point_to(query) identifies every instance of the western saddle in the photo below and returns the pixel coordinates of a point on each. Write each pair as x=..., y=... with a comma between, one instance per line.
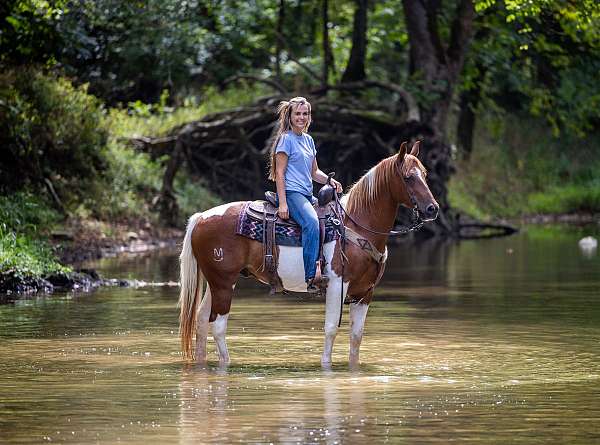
x=266, y=211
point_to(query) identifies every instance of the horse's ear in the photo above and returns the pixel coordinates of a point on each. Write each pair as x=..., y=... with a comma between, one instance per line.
x=402, y=152
x=415, y=149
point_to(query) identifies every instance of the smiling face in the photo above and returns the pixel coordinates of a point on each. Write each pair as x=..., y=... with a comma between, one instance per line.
x=300, y=118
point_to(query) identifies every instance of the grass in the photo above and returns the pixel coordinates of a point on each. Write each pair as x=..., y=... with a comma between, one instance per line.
x=567, y=199
x=518, y=168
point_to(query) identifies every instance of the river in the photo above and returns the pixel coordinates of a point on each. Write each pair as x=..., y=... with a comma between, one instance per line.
x=489, y=341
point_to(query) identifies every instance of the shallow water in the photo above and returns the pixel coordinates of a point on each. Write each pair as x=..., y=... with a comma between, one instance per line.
x=483, y=341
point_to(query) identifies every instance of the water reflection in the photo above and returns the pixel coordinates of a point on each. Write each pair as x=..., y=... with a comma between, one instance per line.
x=222, y=405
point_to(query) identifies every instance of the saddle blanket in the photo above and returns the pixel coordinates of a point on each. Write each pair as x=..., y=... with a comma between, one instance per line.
x=284, y=235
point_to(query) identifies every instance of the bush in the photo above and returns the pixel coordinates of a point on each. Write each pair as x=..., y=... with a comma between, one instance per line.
x=49, y=131
x=25, y=213
x=24, y=219
x=25, y=257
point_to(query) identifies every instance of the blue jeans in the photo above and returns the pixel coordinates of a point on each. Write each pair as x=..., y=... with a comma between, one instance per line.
x=301, y=209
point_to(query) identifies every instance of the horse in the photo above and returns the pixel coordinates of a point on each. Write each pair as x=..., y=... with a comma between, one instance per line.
x=213, y=253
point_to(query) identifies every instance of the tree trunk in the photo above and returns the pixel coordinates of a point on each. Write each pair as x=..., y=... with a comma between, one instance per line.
x=166, y=202
x=439, y=67
x=328, y=62
x=355, y=70
x=466, y=121
x=280, y=18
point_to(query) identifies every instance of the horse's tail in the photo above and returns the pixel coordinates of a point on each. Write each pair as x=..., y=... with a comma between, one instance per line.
x=192, y=283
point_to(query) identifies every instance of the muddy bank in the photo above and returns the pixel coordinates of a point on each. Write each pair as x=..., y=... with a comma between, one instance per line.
x=82, y=241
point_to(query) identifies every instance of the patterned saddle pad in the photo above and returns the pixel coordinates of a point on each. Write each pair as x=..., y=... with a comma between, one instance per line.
x=285, y=234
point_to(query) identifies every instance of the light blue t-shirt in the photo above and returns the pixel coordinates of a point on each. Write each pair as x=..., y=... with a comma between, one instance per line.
x=301, y=153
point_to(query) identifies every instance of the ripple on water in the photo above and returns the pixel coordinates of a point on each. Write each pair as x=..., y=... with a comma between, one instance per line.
x=463, y=343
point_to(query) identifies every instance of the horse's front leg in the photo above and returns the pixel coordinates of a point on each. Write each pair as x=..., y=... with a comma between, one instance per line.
x=358, y=314
x=332, y=315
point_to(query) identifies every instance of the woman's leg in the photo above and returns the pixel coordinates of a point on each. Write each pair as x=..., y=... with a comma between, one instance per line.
x=302, y=211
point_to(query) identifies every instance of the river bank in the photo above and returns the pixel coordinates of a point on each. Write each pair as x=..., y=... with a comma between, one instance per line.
x=79, y=241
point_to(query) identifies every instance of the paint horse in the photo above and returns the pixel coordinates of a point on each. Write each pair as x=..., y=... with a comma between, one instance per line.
x=214, y=253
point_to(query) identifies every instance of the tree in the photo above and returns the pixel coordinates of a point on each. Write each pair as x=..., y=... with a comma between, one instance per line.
x=436, y=65
x=355, y=70
x=533, y=57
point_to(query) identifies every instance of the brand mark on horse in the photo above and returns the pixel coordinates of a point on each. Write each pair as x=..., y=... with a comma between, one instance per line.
x=218, y=254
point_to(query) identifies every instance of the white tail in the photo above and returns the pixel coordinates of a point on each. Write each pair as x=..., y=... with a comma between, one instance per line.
x=192, y=283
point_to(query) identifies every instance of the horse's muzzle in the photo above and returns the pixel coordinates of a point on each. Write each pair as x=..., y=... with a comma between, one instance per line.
x=431, y=212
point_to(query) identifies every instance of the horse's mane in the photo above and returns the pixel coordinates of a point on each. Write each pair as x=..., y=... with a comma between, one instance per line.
x=366, y=191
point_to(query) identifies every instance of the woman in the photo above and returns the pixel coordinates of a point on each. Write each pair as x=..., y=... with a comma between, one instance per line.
x=293, y=168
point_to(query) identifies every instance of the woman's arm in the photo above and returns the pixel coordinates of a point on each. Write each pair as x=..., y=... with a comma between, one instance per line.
x=321, y=178
x=281, y=161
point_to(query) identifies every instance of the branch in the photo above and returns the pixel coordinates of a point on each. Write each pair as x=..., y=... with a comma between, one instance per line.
x=272, y=83
x=501, y=230
x=293, y=59
x=409, y=101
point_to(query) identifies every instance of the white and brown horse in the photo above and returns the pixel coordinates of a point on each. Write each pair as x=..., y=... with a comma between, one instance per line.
x=213, y=252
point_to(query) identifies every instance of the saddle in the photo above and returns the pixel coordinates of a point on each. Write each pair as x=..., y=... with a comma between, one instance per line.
x=265, y=212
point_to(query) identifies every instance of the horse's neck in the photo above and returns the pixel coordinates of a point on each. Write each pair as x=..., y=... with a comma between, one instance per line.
x=379, y=217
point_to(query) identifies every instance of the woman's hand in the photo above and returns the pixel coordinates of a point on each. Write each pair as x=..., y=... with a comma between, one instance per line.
x=337, y=185
x=283, y=211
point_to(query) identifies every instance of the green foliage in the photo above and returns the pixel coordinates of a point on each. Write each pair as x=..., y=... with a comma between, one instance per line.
x=27, y=257
x=24, y=218
x=130, y=51
x=193, y=196
x=567, y=199
x=519, y=168
x=541, y=57
x=25, y=212
x=49, y=130
x=29, y=31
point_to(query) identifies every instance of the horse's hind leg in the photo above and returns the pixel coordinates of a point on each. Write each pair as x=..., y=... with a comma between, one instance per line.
x=202, y=326
x=219, y=328
x=358, y=314
x=221, y=303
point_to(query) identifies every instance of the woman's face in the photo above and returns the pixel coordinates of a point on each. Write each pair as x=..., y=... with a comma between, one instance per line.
x=300, y=117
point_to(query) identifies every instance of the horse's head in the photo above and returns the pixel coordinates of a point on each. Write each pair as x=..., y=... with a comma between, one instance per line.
x=415, y=191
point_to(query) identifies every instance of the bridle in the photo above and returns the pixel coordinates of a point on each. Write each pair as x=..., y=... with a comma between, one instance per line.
x=416, y=223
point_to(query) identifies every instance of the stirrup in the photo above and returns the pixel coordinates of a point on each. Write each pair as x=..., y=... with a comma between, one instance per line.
x=317, y=284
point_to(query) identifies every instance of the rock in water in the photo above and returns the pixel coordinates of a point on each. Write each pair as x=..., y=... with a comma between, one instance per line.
x=588, y=246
